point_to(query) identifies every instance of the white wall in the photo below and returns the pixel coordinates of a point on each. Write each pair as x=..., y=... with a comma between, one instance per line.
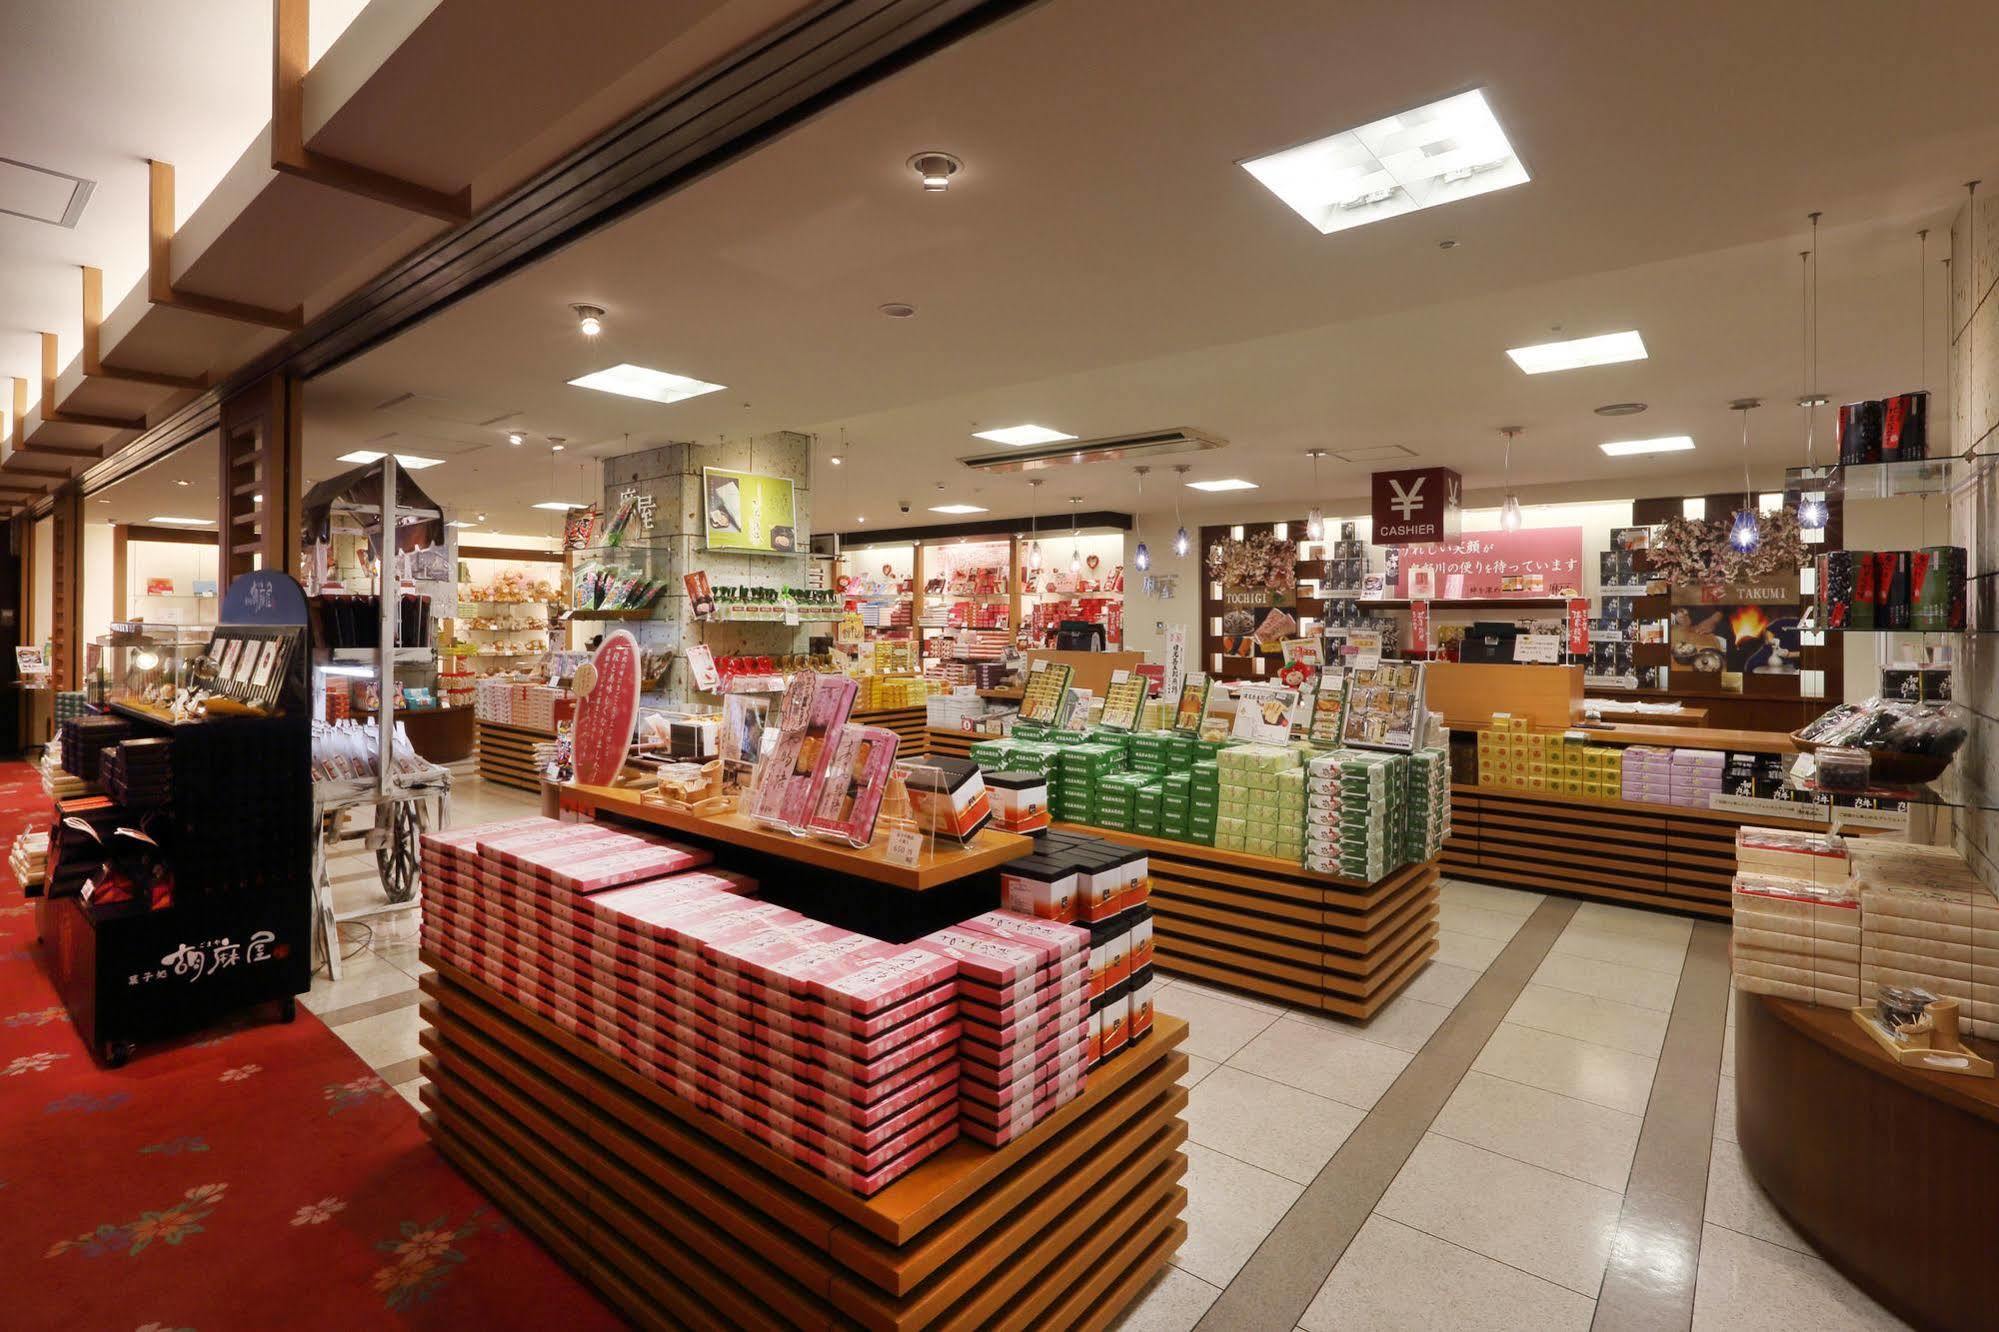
x=185, y=564
x=97, y=582
x=41, y=622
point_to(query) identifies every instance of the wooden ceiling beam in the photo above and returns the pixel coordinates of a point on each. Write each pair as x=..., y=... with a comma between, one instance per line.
x=93, y=363
x=53, y=416
x=160, y=289
x=290, y=58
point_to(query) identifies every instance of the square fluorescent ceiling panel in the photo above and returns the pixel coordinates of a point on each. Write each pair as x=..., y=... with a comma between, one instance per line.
x=1603, y=349
x=1434, y=154
x=636, y=381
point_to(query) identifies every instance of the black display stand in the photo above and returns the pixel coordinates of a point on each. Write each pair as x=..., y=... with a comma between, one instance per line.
x=239, y=932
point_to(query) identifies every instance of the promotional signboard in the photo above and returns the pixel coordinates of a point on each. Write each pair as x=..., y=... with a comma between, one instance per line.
x=1420, y=504
x=1478, y=564
x=748, y=513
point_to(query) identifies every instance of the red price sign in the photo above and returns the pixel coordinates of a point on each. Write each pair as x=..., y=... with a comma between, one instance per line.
x=1419, y=627
x=1579, y=625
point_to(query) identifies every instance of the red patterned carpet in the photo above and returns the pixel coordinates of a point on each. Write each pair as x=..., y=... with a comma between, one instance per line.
x=259, y=1178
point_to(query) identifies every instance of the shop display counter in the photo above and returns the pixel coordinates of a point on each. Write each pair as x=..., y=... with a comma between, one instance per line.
x=680, y=1219
x=1887, y=1170
x=1276, y=929
x=506, y=754
x=442, y=735
x=950, y=741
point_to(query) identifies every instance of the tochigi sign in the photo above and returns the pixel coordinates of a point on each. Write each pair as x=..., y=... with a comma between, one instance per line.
x=1416, y=505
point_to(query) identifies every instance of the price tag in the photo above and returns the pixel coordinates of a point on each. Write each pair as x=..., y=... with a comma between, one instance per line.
x=1366, y=661
x=905, y=847
x=791, y=615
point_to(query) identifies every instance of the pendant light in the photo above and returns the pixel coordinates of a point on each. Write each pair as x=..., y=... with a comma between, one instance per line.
x=1075, y=555
x=1812, y=511
x=1745, y=530
x=1181, y=545
x=1033, y=514
x=1315, y=521
x=1509, y=508
x=1141, y=558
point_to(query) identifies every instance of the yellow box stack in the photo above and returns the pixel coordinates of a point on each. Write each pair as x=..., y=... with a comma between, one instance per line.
x=1511, y=754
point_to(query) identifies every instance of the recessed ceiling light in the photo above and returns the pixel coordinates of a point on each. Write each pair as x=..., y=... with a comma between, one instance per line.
x=413, y=461
x=956, y=508
x=1022, y=435
x=516, y=437
x=1431, y=155
x=898, y=310
x=1624, y=448
x=935, y=170
x=1575, y=353
x=458, y=522
x=636, y=381
x=560, y=505
x=169, y=520
x=589, y=319
x=189, y=483
x=1227, y=483
x=1620, y=409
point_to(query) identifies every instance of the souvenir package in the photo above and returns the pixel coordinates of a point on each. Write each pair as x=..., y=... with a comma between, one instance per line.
x=1123, y=701
x=857, y=776
x=948, y=795
x=1192, y=706
x=1796, y=939
x=1329, y=704
x=1384, y=708
x=1019, y=800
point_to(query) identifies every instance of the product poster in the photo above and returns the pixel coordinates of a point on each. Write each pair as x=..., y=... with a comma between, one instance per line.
x=748, y=513
x=1047, y=687
x=1193, y=704
x=1756, y=640
x=1124, y=700
x=1263, y=713
x=1385, y=706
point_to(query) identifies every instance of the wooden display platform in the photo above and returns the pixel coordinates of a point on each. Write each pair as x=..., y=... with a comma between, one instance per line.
x=1852, y=1146
x=1276, y=929
x=681, y=1221
x=506, y=754
x=911, y=726
x=951, y=742
x=941, y=863
x=1668, y=856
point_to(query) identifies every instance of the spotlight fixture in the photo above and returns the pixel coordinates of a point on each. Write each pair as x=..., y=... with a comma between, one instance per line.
x=1141, y=558
x=1813, y=513
x=935, y=170
x=589, y=319
x=1181, y=544
x=557, y=443
x=1075, y=555
x=1745, y=530
x=839, y=455
x=1509, y=508
x=516, y=438
x=1033, y=525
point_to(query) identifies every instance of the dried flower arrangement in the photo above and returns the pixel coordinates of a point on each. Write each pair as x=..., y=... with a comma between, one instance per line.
x=1697, y=551
x=1260, y=561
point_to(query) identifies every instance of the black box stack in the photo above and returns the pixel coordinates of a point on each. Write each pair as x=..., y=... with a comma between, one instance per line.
x=74, y=855
x=84, y=740
x=139, y=773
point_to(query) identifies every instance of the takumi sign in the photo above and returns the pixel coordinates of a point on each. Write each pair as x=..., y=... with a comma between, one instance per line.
x=1416, y=505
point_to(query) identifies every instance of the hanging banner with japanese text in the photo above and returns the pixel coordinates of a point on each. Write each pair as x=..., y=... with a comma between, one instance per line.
x=1501, y=563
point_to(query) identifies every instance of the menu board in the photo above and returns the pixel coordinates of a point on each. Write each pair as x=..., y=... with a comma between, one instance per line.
x=1124, y=701
x=1328, y=708
x=1384, y=708
x=1047, y=686
x=1263, y=713
x=1193, y=703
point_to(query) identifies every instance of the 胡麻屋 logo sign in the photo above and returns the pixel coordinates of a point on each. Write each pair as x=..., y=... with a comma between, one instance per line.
x=1418, y=504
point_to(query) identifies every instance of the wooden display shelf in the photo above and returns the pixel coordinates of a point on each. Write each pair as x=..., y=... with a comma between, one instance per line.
x=1668, y=856
x=911, y=726
x=951, y=742
x=1668, y=737
x=506, y=754
x=1276, y=929
x=942, y=864
x=680, y=1220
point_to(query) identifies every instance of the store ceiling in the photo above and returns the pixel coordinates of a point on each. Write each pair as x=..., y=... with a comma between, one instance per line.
x=1101, y=265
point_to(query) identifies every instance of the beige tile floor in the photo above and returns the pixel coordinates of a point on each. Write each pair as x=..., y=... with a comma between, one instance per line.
x=1508, y=1204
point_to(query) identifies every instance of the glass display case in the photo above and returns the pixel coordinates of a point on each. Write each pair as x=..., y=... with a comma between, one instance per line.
x=142, y=664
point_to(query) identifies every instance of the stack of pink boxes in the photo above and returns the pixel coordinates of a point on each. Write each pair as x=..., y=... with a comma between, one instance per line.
x=1023, y=994
x=1697, y=774
x=1648, y=775
x=833, y=1048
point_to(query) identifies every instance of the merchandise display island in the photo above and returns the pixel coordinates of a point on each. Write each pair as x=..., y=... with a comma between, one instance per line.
x=1852, y=1146
x=1272, y=927
x=722, y=1109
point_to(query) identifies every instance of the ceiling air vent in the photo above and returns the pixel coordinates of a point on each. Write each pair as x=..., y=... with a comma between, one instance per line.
x=1109, y=448
x=42, y=195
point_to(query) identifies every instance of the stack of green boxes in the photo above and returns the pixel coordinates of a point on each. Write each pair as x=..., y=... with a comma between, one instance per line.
x=1204, y=794
x=1353, y=808
x=1429, y=805
x=1262, y=801
x=1150, y=803
x=1152, y=751
x=1117, y=800
x=1173, y=805
x=1078, y=779
x=991, y=755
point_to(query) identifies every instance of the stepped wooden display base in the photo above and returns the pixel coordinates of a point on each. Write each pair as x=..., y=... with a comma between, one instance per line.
x=911, y=726
x=679, y=1220
x=1668, y=856
x=506, y=754
x=1273, y=928
x=951, y=742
